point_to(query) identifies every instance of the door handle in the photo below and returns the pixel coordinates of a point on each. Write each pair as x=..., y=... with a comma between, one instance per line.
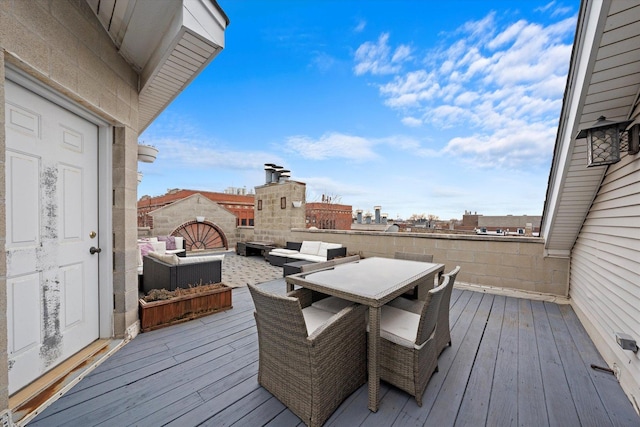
x=93, y=250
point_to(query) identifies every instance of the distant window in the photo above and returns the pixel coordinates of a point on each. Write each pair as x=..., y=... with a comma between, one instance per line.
x=244, y=221
x=251, y=222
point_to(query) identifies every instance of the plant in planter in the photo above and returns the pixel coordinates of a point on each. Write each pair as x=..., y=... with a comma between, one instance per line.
x=161, y=307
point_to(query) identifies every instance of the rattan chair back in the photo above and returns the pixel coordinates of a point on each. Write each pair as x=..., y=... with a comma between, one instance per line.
x=443, y=332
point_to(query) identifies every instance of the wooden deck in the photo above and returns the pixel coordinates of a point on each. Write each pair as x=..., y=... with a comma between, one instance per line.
x=512, y=362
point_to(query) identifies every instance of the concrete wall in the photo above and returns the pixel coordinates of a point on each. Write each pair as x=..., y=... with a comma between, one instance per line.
x=62, y=45
x=273, y=222
x=170, y=217
x=504, y=262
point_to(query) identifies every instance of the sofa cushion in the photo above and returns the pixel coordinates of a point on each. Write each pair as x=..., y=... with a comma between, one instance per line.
x=282, y=252
x=179, y=242
x=324, y=246
x=310, y=247
x=144, y=249
x=399, y=326
x=166, y=258
x=197, y=259
x=314, y=258
x=332, y=304
x=314, y=318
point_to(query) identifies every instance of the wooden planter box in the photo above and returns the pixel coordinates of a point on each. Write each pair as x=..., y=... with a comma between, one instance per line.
x=157, y=314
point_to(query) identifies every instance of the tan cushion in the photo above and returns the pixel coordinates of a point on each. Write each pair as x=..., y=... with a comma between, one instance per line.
x=332, y=304
x=198, y=259
x=166, y=258
x=399, y=326
x=314, y=318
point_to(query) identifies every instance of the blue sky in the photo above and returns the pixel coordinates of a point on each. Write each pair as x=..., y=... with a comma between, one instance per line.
x=420, y=107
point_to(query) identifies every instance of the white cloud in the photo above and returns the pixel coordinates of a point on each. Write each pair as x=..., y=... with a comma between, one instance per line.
x=203, y=154
x=500, y=84
x=411, y=121
x=360, y=26
x=376, y=58
x=332, y=145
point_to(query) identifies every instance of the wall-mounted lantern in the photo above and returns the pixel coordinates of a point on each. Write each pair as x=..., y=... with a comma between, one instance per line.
x=604, y=141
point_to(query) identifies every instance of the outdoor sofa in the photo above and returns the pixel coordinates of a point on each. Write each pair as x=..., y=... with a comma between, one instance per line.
x=306, y=250
x=169, y=271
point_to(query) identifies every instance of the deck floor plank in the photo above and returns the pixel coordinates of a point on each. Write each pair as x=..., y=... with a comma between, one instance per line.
x=503, y=403
x=532, y=408
x=619, y=408
x=560, y=407
x=470, y=303
x=475, y=403
x=590, y=409
x=505, y=354
x=449, y=398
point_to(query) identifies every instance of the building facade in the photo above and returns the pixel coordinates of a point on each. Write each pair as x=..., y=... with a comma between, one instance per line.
x=78, y=84
x=241, y=205
x=329, y=216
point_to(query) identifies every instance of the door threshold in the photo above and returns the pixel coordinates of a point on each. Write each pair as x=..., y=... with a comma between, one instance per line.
x=29, y=401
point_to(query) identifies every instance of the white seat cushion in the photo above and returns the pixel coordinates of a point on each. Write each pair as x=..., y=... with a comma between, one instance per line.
x=314, y=318
x=309, y=247
x=313, y=258
x=325, y=246
x=399, y=326
x=332, y=304
x=282, y=251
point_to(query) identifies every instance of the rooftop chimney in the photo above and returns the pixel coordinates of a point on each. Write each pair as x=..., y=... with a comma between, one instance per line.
x=284, y=176
x=377, y=213
x=268, y=172
x=359, y=216
x=275, y=177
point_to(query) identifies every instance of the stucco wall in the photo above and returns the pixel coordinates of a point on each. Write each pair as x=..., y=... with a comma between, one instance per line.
x=505, y=262
x=273, y=223
x=62, y=45
x=170, y=217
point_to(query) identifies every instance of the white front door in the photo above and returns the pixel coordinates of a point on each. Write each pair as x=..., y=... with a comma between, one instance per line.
x=52, y=221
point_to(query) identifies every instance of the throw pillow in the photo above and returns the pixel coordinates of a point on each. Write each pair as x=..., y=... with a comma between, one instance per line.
x=145, y=248
x=170, y=241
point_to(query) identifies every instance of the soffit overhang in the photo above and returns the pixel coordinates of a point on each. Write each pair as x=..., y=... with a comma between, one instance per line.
x=603, y=80
x=167, y=43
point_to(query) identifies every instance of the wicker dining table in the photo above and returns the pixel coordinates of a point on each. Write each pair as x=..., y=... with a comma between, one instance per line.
x=372, y=282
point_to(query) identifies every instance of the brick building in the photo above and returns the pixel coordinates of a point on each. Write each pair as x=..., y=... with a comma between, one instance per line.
x=329, y=216
x=241, y=205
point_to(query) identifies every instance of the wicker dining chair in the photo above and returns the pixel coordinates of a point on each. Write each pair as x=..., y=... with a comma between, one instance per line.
x=443, y=331
x=310, y=372
x=408, y=353
x=413, y=293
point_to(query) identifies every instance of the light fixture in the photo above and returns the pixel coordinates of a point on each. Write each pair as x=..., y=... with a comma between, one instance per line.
x=604, y=141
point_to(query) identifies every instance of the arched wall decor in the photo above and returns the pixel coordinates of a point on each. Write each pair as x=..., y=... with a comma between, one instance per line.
x=201, y=235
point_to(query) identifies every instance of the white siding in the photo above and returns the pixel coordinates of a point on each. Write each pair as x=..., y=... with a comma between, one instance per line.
x=605, y=268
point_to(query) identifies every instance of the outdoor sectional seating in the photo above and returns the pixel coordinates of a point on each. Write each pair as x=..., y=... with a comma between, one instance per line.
x=307, y=250
x=170, y=271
